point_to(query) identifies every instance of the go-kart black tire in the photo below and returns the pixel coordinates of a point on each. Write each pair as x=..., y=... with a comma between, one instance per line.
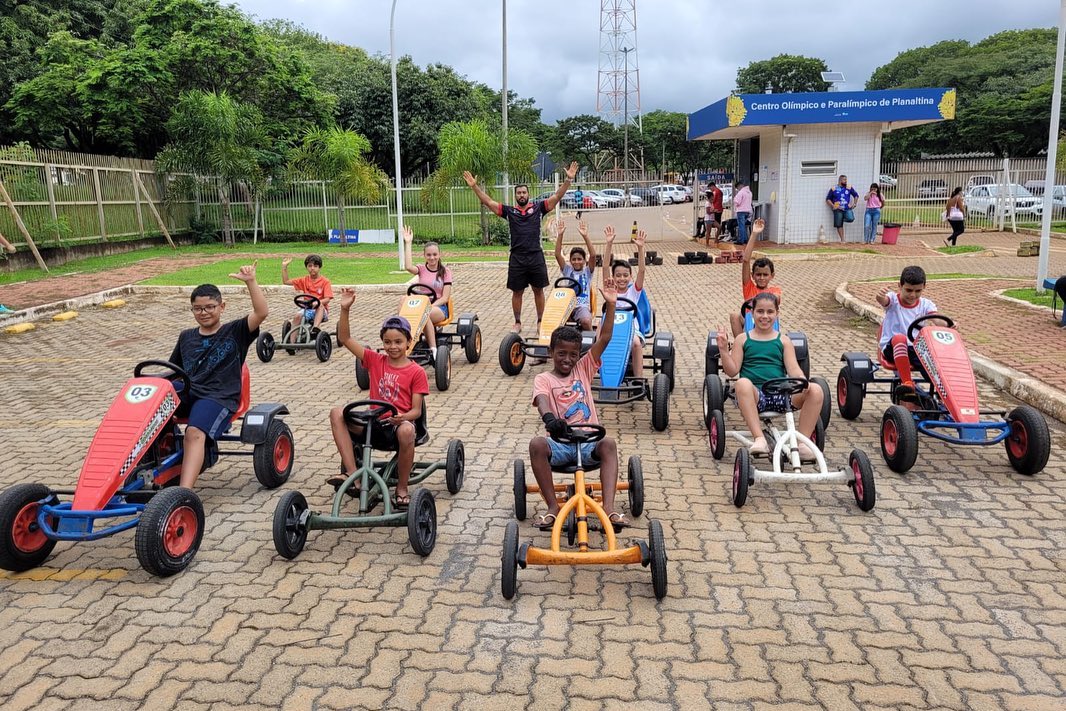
x=657, y=552
x=668, y=368
x=272, y=459
x=455, y=466
x=827, y=400
x=323, y=346
x=1029, y=442
x=520, y=490
x=716, y=434
x=741, y=477
x=422, y=522
x=22, y=545
x=635, y=482
x=862, y=483
x=442, y=368
x=289, y=534
x=362, y=375
x=571, y=527
x=472, y=345
x=713, y=397
x=264, y=347
x=660, y=402
x=512, y=357
x=711, y=365
x=818, y=436
x=899, y=439
x=509, y=561
x=849, y=396
x=286, y=328
x=805, y=366
x=165, y=546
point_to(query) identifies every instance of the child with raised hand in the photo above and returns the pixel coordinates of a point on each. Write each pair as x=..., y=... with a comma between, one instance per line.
x=902, y=309
x=757, y=356
x=754, y=276
x=212, y=354
x=395, y=379
x=314, y=284
x=563, y=397
x=622, y=273
x=580, y=267
x=437, y=277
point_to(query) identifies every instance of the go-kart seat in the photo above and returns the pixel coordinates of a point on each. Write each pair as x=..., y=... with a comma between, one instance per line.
x=886, y=364
x=590, y=465
x=449, y=318
x=645, y=315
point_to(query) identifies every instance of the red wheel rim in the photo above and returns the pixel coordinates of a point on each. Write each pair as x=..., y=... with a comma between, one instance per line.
x=889, y=437
x=857, y=472
x=179, y=532
x=712, y=434
x=1018, y=440
x=282, y=453
x=842, y=392
x=25, y=533
x=736, y=477
x=516, y=354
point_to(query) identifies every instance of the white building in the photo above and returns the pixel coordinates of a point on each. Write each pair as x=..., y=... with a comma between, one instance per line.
x=792, y=148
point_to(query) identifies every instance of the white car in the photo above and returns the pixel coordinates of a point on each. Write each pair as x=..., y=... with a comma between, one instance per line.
x=985, y=200
x=886, y=181
x=611, y=200
x=570, y=199
x=634, y=200
x=669, y=194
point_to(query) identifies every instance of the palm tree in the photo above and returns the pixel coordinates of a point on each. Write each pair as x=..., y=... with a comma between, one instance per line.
x=339, y=156
x=477, y=146
x=215, y=139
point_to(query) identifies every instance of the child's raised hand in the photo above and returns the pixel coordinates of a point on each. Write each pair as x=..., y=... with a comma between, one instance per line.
x=758, y=226
x=641, y=237
x=609, y=293
x=884, y=291
x=559, y=227
x=246, y=273
x=286, y=261
x=408, y=235
x=583, y=229
x=347, y=298
x=722, y=339
x=608, y=234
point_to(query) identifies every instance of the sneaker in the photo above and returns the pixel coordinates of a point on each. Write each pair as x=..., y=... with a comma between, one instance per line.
x=5, y=310
x=806, y=455
x=905, y=392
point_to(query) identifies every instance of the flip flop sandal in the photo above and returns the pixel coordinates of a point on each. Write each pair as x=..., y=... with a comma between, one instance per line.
x=618, y=520
x=545, y=522
x=400, y=503
x=337, y=481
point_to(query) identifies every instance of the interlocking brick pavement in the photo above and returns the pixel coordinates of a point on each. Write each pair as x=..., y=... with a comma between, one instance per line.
x=951, y=593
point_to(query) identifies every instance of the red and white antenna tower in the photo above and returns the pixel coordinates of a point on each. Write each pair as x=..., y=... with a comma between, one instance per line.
x=618, y=92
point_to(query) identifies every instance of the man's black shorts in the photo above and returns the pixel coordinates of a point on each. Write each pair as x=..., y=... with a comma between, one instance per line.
x=525, y=270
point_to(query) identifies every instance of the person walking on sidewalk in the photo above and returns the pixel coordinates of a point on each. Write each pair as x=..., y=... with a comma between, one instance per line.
x=955, y=214
x=874, y=203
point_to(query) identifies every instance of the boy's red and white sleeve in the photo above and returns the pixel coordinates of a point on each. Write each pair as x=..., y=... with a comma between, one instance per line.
x=419, y=382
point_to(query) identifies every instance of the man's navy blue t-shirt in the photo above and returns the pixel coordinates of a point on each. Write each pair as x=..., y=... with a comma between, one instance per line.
x=524, y=223
x=214, y=362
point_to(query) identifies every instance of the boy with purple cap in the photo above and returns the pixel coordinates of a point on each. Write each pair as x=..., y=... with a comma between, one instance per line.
x=394, y=378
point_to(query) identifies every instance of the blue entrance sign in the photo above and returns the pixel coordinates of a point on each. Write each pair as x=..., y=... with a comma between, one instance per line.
x=907, y=105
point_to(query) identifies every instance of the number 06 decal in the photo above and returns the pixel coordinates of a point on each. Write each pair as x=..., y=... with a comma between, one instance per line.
x=139, y=393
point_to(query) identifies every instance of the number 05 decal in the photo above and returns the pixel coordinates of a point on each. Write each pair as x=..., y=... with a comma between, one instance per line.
x=139, y=393
x=945, y=337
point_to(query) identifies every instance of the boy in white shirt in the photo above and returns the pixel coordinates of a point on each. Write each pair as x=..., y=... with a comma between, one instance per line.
x=901, y=310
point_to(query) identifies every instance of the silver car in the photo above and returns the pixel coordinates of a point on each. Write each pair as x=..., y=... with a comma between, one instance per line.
x=634, y=200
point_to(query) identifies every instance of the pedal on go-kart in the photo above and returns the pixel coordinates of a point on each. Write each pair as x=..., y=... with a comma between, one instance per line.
x=949, y=409
x=581, y=506
x=304, y=337
x=130, y=478
x=783, y=455
x=371, y=485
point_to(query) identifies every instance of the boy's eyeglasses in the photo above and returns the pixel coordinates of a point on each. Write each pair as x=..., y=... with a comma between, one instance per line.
x=209, y=309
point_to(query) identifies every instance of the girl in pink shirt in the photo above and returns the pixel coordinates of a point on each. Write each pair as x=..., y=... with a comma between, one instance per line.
x=874, y=202
x=434, y=275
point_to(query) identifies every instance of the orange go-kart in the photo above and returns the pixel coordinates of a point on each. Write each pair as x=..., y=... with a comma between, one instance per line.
x=130, y=475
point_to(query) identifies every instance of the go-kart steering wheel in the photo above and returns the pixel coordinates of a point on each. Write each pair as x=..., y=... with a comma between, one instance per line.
x=785, y=386
x=176, y=373
x=579, y=434
x=916, y=324
x=568, y=283
x=748, y=305
x=306, y=302
x=421, y=290
x=374, y=410
x=629, y=305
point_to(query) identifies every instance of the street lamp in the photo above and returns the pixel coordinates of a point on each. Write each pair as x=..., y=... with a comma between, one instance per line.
x=1052, y=155
x=396, y=135
x=506, y=176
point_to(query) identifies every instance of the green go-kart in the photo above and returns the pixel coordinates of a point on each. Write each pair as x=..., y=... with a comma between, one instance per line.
x=371, y=484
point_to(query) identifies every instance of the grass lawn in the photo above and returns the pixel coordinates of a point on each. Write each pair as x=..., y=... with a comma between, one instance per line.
x=960, y=249
x=369, y=270
x=1031, y=296
x=937, y=277
x=297, y=249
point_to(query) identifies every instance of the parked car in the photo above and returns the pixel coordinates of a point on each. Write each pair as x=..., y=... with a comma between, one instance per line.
x=886, y=181
x=985, y=200
x=976, y=180
x=669, y=194
x=648, y=196
x=933, y=188
x=590, y=199
x=610, y=200
x=634, y=200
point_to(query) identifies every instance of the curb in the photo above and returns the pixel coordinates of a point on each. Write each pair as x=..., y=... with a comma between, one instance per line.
x=1026, y=388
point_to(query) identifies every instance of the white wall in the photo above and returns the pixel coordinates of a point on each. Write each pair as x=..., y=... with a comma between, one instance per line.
x=856, y=148
x=770, y=179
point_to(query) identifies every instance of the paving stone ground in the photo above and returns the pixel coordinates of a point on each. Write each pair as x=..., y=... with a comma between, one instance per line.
x=950, y=594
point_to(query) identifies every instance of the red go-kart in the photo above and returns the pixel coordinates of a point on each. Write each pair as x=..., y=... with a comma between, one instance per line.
x=948, y=408
x=130, y=476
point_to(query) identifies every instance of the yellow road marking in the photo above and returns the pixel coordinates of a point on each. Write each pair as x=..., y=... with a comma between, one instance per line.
x=63, y=575
x=65, y=316
x=20, y=328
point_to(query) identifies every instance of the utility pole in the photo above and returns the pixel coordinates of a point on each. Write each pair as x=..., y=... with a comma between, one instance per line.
x=625, y=149
x=395, y=136
x=506, y=176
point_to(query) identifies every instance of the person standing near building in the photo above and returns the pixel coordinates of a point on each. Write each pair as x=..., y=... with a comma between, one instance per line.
x=955, y=214
x=874, y=203
x=842, y=199
x=716, y=206
x=742, y=210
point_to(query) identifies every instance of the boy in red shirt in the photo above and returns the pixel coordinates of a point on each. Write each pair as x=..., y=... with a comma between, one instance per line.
x=563, y=397
x=754, y=276
x=394, y=378
x=314, y=284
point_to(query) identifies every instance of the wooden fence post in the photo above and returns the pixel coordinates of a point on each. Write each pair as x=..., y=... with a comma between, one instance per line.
x=137, y=201
x=99, y=204
x=155, y=213
x=22, y=227
x=52, y=199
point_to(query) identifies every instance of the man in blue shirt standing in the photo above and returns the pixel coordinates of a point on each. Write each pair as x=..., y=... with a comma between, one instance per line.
x=842, y=199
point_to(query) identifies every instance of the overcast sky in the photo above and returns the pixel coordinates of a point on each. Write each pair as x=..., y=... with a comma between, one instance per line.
x=688, y=50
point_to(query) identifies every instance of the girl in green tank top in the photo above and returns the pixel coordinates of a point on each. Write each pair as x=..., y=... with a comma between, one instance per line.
x=760, y=355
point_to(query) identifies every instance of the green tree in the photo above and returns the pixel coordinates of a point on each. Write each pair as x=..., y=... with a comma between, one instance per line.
x=588, y=139
x=216, y=141
x=667, y=132
x=339, y=156
x=477, y=146
x=785, y=73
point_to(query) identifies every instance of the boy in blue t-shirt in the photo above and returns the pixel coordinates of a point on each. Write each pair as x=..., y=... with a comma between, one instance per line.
x=579, y=268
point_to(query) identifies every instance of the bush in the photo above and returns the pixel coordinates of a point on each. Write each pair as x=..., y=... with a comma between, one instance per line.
x=203, y=231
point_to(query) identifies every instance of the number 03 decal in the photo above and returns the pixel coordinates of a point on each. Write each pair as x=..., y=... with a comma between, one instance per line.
x=139, y=393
